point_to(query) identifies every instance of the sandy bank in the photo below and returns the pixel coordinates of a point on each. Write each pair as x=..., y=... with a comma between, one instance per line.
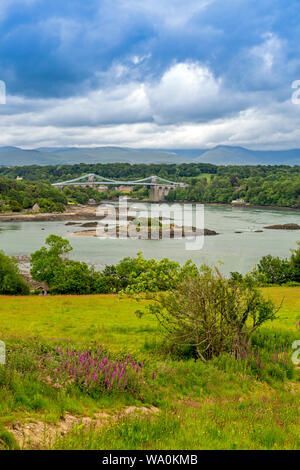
x=72, y=213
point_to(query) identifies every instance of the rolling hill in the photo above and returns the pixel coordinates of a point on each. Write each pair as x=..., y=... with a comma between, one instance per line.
x=220, y=155
x=223, y=155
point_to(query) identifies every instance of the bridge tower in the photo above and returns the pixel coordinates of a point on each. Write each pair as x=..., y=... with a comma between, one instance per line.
x=91, y=180
x=158, y=193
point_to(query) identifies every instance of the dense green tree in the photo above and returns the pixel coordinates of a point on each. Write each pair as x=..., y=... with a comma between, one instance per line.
x=64, y=276
x=46, y=261
x=11, y=281
x=295, y=263
x=275, y=270
x=18, y=195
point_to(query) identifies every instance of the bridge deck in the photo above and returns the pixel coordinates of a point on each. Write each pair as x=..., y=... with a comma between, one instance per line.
x=93, y=180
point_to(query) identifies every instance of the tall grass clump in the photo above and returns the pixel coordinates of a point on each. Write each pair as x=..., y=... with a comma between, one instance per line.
x=259, y=363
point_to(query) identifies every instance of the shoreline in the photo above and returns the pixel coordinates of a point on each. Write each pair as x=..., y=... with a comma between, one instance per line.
x=77, y=212
x=89, y=212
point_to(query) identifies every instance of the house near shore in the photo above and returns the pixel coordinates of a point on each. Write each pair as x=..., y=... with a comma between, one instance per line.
x=43, y=288
x=102, y=188
x=125, y=189
x=239, y=202
x=36, y=208
x=36, y=285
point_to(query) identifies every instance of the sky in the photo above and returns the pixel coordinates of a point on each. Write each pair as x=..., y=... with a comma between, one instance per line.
x=156, y=74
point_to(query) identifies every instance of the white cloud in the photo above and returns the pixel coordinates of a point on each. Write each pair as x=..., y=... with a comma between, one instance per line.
x=268, y=52
x=253, y=128
x=187, y=107
x=136, y=60
x=122, y=104
x=186, y=91
x=173, y=13
x=6, y=5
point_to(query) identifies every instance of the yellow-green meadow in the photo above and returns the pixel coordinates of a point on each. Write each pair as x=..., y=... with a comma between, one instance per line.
x=221, y=404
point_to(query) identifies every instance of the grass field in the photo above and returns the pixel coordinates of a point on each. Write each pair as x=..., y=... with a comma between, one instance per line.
x=224, y=404
x=205, y=175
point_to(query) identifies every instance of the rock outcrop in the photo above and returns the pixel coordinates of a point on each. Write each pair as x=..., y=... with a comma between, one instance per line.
x=284, y=227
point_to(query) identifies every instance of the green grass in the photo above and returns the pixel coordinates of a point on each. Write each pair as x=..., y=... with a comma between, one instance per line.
x=289, y=314
x=223, y=404
x=252, y=424
x=106, y=319
x=204, y=175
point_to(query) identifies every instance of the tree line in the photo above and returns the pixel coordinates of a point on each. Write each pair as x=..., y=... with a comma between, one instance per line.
x=126, y=171
x=51, y=264
x=281, y=188
x=206, y=183
x=19, y=195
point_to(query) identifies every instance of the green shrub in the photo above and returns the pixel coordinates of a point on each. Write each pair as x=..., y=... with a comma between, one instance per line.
x=274, y=270
x=212, y=315
x=136, y=275
x=74, y=277
x=7, y=440
x=15, y=206
x=295, y=264
x=45, y=262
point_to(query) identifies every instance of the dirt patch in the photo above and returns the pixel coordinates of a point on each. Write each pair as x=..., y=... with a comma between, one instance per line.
x=142, y=410
x=39, y=435
x=293, y=387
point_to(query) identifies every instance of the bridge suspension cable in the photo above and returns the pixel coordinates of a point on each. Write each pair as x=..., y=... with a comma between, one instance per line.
x=92, y=177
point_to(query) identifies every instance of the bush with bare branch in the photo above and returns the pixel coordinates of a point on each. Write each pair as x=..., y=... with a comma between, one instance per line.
x=211, y=314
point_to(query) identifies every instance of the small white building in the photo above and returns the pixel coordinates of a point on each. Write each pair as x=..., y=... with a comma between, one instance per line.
x=239, y=202
x=36, y=208
x=102, y=188
x=125, y=189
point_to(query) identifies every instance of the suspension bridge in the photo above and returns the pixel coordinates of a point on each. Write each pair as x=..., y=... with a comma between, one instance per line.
x=159, y=187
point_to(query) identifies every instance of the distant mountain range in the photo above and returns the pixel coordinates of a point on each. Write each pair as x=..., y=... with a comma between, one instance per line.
x=220, y=155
